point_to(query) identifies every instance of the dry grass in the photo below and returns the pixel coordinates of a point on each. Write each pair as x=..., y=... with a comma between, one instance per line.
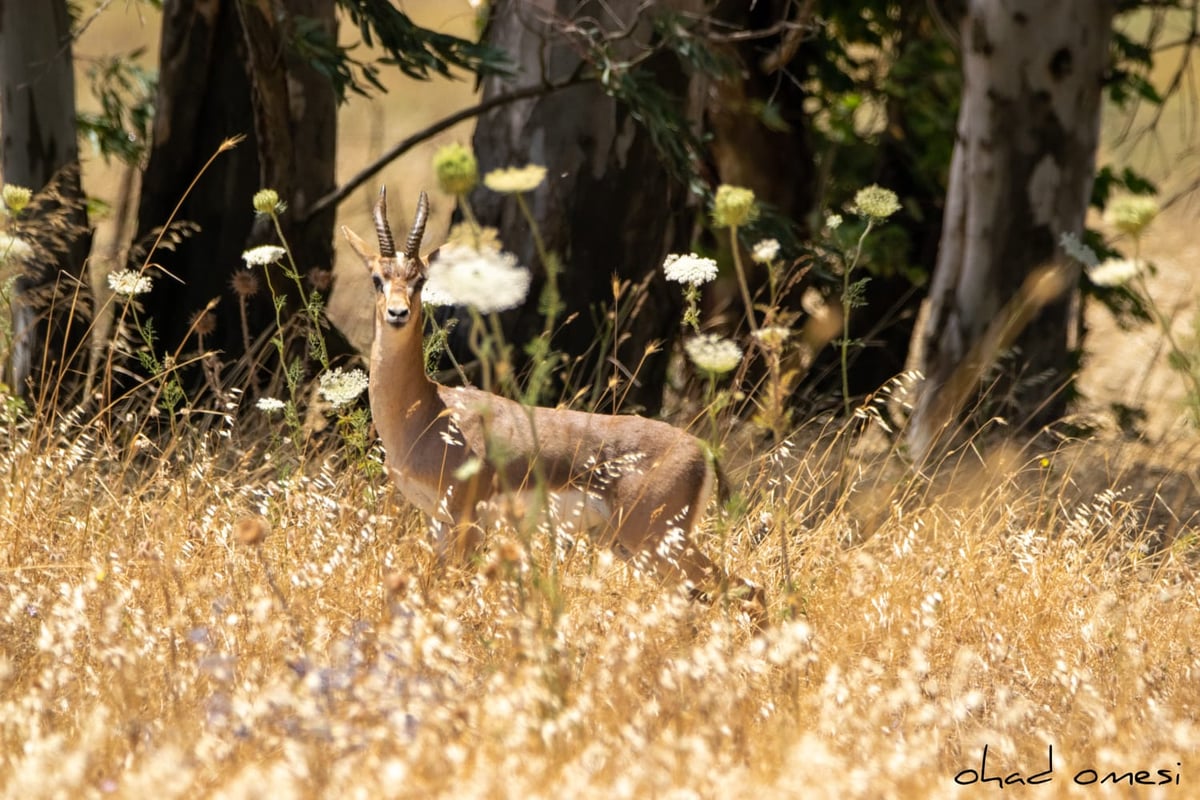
x=157, y=643
x=190, y=624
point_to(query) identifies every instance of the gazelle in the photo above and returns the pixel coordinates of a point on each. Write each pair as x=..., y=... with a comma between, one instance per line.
x=462, y=454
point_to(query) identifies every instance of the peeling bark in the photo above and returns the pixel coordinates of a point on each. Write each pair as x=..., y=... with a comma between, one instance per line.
x=608, y=206
x=1020, y=177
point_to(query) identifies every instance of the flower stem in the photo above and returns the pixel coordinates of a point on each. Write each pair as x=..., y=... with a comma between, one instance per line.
x=743, y=286
x=845, y=343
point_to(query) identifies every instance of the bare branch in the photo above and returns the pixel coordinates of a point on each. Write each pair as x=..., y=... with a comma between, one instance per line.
x=340, y=193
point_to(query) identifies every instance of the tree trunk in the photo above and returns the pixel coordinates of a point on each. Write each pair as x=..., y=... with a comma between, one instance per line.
x=608, y=206
x=39, y=152
x=773, y=155
x=227, y=69
x=1020, y=177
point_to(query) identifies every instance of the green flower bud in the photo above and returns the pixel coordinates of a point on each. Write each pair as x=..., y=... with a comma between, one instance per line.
x=266, y=201
x=1130, y=214
x=15, y=198
x=733, y=206
x=456, y=169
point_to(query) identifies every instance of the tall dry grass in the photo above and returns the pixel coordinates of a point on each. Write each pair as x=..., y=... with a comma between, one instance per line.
x=191, y=625
x=189, y=622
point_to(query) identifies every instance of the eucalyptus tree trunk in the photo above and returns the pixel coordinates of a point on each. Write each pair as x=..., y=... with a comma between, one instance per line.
x=608, y=207
x=228, y=69
x=39, y=151
x=1020, y=177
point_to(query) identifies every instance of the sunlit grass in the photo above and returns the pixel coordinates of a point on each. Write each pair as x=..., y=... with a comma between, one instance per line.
x=155, y=642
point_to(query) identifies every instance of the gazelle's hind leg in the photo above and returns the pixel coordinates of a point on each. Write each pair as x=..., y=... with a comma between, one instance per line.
x=655, y=532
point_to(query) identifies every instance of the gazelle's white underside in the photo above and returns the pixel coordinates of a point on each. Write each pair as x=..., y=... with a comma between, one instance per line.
x=568, y=510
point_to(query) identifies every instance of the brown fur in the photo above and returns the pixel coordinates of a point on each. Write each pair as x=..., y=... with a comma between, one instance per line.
x=649, y=481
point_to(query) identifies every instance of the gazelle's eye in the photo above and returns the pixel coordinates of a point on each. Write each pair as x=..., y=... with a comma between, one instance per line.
x=378, y=281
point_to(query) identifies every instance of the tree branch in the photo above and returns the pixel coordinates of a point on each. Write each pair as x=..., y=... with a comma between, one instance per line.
x=340, y=193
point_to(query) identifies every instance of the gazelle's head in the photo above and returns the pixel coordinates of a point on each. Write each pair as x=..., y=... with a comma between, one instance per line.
x=398, y=277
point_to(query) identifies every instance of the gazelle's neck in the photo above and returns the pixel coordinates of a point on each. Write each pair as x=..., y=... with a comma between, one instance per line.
x=404, y=401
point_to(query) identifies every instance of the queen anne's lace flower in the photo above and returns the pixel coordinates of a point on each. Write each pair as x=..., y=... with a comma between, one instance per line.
x=127, y=282
x=713, y=354
x=765, y=251
x=485, y=280
x=876, y=202
x=689, y=269
x=263, y=255
x=269, y=404
x=340, y=387
x=512, y=180
x=1115, y=271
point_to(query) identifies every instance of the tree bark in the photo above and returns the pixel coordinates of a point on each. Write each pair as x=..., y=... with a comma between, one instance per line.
x=1020, y=177
x=608, y=206
x=227, y=69
x=775, y=160
x=39, y=152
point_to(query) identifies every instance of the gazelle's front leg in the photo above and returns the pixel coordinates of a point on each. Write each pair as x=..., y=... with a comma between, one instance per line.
x=459, y=535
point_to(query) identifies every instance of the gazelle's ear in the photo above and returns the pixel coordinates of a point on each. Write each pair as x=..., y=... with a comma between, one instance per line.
x=428, y=260
x=358, y=245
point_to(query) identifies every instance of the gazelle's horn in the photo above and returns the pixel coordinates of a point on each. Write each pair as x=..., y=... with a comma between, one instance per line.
x=418, y=229
x=387, y=245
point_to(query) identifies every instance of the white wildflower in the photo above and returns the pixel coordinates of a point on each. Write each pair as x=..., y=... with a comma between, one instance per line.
x=876, y=202
x=14, y=248
x=340, y=387
x=487, y=281
x=833, y=221
x=128, y=282
x=513, y=180
x=263, y=255
x=713, y=354
x=269, y=404
x=765, y=251
x=1115, y=271
x=689, y=269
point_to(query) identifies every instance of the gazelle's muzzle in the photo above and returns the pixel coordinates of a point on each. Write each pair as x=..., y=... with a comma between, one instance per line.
x=396, y=317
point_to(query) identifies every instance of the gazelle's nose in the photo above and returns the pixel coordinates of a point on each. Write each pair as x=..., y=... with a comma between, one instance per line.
x=397, y=316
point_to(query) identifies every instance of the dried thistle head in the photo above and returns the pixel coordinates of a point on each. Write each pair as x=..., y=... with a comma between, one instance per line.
x=244, y=283
x=204, y=322
x=320, y=279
